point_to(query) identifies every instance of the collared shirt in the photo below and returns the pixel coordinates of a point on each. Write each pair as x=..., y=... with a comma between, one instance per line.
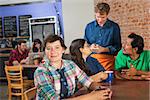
x=124, y=61
x=63, y=82
x=16, y=55
x=107, y=36
x=47, y=80
x=93, y=65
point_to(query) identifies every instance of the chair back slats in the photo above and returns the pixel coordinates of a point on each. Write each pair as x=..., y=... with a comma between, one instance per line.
x=14, y=74
x=16, y=84
x=15, y=80
x=18, y=94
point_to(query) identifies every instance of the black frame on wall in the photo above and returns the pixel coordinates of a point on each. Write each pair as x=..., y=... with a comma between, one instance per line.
x=10, y=26
x=24, y=25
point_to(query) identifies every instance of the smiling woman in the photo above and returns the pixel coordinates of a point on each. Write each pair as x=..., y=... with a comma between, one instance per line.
x=54, y=49
x=57, y=78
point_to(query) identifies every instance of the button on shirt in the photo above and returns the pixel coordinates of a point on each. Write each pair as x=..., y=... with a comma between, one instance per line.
x=107, y=36
x=48, y=80
x=124, y=61
x=63, y=82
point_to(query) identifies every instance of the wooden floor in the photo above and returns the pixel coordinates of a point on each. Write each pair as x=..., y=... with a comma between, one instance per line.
x=3, y=90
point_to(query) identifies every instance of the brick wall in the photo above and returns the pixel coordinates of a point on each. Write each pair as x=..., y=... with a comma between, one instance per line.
x=132, y=16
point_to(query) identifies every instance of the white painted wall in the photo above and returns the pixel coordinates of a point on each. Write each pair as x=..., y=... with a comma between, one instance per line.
x=76, y=14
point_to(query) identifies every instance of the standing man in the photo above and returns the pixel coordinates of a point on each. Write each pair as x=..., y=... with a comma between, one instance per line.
x=104, y=37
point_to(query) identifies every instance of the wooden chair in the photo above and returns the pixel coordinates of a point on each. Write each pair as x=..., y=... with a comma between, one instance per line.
x=30, y=94
x=16, y=84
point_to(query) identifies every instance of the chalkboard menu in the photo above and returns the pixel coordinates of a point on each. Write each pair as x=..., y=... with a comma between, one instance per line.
x=24, y=25
x=1, y=32
x=10, y=26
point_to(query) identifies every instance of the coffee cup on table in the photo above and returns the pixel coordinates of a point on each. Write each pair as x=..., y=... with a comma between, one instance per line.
x=110, y=77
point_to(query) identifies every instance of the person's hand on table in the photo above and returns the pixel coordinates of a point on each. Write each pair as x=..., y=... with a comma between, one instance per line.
x=132, y=74
x=15, y=62
x=132, y=71
x=24, y=61
x=146, y=77
x=102, y=94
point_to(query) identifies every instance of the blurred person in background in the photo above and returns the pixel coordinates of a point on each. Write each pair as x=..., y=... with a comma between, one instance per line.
x=20, y=54
x=37, y=59
x=37, y=46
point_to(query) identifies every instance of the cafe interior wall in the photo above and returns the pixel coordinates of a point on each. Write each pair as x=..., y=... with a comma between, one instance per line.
x=132, y=16
x=36, y=9
x=76, y=14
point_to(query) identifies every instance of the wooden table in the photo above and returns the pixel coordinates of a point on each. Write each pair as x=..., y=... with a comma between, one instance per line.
x=127, y=90
x=131, y=90
x=29, y=66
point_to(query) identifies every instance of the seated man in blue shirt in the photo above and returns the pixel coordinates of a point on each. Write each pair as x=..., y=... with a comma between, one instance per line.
x=104, y=36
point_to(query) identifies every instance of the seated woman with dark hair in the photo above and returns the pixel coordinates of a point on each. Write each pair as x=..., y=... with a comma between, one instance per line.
x=35, y=57
x=81, y=55
x=37, y=46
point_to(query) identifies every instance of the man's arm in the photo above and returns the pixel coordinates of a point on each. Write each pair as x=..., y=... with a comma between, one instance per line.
x=139, y=72
x=24, y=61
x=13, y=58
x=116, y=40
x=120, y=63
x=87, y=31
x=118, y=75
x=133, y=71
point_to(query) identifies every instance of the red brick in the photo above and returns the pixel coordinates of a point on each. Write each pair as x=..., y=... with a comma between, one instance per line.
x=132, y=16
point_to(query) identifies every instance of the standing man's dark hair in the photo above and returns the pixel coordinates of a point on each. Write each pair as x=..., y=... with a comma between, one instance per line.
x=138, y=42
x=102, y=8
